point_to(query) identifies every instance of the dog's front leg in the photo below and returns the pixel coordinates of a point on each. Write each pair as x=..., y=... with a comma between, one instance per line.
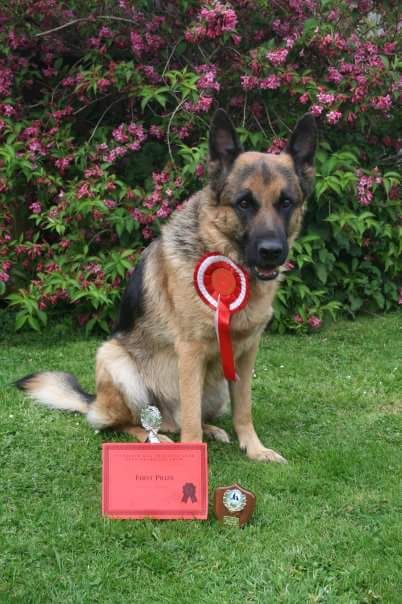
x=240, y=394
x=191, y=357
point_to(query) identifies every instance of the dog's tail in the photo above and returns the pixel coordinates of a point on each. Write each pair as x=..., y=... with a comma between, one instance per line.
x=57, y=390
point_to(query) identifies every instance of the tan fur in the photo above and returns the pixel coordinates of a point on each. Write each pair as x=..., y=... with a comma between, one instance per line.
x=50, y=389
x=170, y=356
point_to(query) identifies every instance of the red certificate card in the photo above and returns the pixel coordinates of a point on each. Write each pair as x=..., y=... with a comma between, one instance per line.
x=163, y=481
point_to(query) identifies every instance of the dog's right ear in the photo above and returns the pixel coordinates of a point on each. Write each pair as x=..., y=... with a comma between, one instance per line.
x=224, y=147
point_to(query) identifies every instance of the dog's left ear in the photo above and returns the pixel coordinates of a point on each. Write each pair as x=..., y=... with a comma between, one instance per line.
x=224, y=147
x=301, y=146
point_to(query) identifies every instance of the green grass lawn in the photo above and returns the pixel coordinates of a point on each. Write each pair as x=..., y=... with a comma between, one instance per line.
x=327, y=527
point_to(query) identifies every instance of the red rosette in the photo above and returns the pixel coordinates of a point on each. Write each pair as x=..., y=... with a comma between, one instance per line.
x=224, y=286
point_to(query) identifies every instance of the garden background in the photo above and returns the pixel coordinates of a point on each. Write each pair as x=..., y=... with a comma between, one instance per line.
x=104, y=112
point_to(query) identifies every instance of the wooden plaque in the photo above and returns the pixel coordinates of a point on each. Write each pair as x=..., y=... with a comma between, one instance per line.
x=233, y=505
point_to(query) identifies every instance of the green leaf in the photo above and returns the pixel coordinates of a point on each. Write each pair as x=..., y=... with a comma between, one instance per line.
x=355, y=302
x=322, y=273
x=34, y=323
x=20, y=319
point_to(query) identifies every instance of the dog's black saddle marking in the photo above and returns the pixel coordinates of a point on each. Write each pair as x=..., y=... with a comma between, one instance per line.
x=131, y=305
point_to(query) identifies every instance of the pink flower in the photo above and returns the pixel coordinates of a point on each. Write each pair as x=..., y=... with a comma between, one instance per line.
x=4, y=277
x=136, y=130
x=249, y=82
x=212, y=22
x=58, y=115
x=151, y=74
x=334, y=75
x=6, y=81
x=105, y=32
x=49, y=72
x=110, y=203
x=304, y=98
x=365, y=186
x=119, y=134
x=314, y=322
x=103, y=84
x=271, y=82
x=35, y=207
x=200, y=170
x=400, y=295
x=160, y=178
x=7, y=110
x=207, y=80
x=164, y=211
x=138, y=216
x=63, y=163
x=278, y=56
x=202, y=105
x=94, y=171
x=68, y=81
x=156, y=132
x=382, y=103
x=316, y=110
x=36, y=147
x=325, y=98
x=333, y=117
x=389, y=48
x=84, y=191
x=183, y=132
x=288, y=266
x=278, y=144
x=116, y=153
x=154, y=42
x=137, y=44
x=298, y=319
x=147, y=233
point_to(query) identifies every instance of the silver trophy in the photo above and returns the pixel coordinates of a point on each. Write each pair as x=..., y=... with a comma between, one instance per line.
x=151, y=420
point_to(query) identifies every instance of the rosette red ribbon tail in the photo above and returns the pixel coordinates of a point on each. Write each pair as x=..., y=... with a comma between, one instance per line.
x=222, y=325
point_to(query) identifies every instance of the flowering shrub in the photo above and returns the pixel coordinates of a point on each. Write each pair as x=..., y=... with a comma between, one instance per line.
x=104, y=109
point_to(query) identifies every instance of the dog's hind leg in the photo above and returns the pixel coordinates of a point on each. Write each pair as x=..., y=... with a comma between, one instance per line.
x=110, y=411
x=120, y=393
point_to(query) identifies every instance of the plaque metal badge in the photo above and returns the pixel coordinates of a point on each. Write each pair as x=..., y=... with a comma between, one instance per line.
x=233, y=505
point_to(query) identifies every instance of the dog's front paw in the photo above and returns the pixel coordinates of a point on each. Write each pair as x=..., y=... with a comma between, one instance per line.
x=263, y=454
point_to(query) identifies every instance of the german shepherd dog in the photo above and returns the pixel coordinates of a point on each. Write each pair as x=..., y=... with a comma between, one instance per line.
x=164, y=348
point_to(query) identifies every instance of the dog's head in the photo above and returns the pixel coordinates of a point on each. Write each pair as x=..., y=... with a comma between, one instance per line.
x=262, y=194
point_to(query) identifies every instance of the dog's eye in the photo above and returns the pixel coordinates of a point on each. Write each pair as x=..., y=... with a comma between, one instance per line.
x=244, y=204
x=286, y=203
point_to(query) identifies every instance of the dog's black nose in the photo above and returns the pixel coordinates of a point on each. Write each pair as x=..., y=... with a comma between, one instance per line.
x=270, y=251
